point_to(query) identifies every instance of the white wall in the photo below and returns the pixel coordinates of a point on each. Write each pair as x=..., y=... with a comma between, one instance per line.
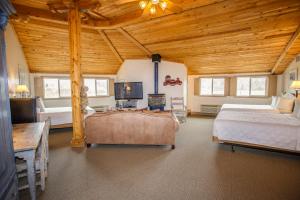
x=143, y=70
x=285, y=76
x=194, y=102
x=15, y=60
x=66, y=102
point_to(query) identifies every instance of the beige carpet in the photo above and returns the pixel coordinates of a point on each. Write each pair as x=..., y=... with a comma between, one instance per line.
x=197, y=169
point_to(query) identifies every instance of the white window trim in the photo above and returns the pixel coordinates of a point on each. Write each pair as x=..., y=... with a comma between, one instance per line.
x=67, y=78
x=58, y=84
x=255, y=96
x=64, y=78
x=212, y=87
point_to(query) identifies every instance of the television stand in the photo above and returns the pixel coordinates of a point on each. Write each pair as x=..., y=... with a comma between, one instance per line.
x=130, y=103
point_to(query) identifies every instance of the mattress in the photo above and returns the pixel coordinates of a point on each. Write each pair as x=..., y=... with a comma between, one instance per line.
x=267, y=129
x=246, y=107
x=60, y=115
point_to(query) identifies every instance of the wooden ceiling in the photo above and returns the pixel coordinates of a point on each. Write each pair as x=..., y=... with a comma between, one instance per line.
x=208, y=36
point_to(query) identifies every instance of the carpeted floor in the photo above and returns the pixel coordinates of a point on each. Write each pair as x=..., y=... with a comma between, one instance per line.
x=197, y=169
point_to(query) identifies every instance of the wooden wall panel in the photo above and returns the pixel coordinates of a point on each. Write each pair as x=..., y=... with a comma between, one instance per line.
x=197, y=86
x=126, y=48
x=272, y=90
x=46, y=50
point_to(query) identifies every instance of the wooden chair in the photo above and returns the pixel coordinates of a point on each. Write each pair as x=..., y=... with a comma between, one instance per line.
x=41, y=161
x=179, y=109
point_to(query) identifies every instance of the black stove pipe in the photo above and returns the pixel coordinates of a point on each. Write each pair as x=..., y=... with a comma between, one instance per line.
x=156, y=78
x=156, y=58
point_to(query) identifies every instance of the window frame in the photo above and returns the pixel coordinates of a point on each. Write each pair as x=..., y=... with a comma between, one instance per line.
x=64, y=78
x=45, y=88
x=250, y=87
x=67, y=78
x=212, y=87
x=95, y=82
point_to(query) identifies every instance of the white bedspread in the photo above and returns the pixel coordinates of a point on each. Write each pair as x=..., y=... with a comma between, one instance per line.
x=269, y=129
x=60, y=115
x=246, y=107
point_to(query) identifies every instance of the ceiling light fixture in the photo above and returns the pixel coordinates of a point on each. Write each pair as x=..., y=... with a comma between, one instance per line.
x=153, y=5
x=143, y=4
x=152, y=10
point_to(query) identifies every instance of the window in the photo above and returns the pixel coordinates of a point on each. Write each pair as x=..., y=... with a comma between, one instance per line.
x=51, y=88
x=251, y=86
x=258, y=86
x=61, y=87
x=212, y=86
x=97, y=87
x=102, y=87
x=56, y=88
x=90, y=83
x=65, y=88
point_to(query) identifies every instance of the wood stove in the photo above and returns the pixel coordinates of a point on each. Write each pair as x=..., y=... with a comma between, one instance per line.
x=157, y=101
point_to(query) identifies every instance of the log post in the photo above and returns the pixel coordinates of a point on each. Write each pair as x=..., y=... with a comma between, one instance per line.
x=76, y=74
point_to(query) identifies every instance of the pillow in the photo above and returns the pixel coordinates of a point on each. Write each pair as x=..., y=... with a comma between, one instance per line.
x=285, y=105
x=40, y=104
x=296, y=112
x=274, y=101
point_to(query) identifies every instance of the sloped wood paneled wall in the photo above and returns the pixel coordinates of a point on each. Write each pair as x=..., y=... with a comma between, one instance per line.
x=210, y=37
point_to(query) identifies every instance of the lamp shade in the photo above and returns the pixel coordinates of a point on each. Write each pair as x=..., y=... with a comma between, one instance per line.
x=295, y=85
x=22, y=88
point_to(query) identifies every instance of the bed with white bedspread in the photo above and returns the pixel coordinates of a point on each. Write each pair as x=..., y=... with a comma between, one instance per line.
x=271, y=130
x=60, y=115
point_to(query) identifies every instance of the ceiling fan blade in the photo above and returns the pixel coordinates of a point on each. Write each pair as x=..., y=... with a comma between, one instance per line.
x=146, y=11
x=173, y=7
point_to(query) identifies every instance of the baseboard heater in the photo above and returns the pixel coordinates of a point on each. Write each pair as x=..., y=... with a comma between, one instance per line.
x=210, y=109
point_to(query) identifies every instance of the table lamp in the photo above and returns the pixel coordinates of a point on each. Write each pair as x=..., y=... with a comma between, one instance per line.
x=295, y=86
x=22, y=90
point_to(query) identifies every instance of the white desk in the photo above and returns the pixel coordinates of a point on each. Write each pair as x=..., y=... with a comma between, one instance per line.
x=26, y=139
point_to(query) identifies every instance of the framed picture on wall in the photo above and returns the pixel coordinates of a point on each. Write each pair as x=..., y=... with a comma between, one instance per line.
x=293, y=76
x=23, y=75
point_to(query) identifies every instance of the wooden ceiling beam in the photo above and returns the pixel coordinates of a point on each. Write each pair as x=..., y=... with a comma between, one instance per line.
x=36, y=13
x=57, y=18
x=111, y=46
x=134, y=41
x=58, y=15
x=286, y=49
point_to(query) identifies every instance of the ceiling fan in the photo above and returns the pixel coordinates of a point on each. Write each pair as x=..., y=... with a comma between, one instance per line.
x=153, y=7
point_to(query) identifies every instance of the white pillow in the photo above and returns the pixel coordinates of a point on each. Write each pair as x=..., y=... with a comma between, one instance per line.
x=285, y=105
x=288, y=96
x=40, y=104
x=274, y=101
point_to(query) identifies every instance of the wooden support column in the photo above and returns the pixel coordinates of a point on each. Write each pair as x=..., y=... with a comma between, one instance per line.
x=75, y=73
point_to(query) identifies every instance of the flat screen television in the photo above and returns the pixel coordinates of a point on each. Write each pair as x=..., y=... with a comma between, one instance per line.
x=128, y=90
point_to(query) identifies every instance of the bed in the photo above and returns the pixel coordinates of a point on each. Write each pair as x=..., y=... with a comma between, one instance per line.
x=60, y=117
x=258, y=129
x=251, y=108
